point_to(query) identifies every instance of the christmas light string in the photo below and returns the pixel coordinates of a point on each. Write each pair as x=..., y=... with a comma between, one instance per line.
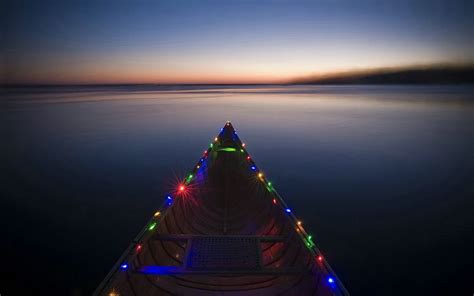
x=161, y=212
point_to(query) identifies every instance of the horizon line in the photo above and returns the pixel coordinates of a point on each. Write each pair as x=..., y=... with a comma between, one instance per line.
x=340, y=77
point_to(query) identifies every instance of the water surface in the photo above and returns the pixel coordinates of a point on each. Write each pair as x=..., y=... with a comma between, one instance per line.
x=382, y=176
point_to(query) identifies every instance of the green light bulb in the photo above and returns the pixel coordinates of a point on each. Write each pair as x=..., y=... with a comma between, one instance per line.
x=152, y=226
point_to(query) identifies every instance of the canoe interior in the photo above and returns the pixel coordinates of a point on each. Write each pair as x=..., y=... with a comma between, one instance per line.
x=224, y=231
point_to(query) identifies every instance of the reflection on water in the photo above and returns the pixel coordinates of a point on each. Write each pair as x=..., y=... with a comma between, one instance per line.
x=382, y=176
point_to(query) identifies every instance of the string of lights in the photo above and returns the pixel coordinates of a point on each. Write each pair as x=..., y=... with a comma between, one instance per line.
x=277, y=200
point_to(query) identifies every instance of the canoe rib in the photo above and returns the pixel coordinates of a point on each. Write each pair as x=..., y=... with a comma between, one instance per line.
x=224, y=231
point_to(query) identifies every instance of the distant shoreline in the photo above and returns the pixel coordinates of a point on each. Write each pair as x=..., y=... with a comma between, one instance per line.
x=388, y=76
x=428, y=76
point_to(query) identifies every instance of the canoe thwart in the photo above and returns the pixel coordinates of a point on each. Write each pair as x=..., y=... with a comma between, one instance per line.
x=179, y=270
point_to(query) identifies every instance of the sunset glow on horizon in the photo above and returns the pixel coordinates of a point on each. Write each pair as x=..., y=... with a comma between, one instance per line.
x=224, y=42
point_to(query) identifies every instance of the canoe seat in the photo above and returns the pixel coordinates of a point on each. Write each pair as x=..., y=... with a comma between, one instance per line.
x=223, y=252
x=220, y=254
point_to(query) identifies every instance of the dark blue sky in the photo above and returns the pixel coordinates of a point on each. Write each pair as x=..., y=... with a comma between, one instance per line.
x=227, y=41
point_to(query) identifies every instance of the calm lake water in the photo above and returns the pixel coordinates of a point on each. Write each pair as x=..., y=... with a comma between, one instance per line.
x=382, y=176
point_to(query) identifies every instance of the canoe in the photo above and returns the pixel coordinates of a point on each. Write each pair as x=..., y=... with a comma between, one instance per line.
x=224, y=231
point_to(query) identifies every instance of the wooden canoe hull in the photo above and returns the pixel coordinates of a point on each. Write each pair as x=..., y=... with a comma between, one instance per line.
x=224, y=231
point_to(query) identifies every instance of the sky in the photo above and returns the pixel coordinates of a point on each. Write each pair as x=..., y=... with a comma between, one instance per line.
x=80, y=42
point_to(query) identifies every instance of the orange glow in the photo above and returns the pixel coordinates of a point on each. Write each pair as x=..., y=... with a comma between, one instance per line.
x=210, y=68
